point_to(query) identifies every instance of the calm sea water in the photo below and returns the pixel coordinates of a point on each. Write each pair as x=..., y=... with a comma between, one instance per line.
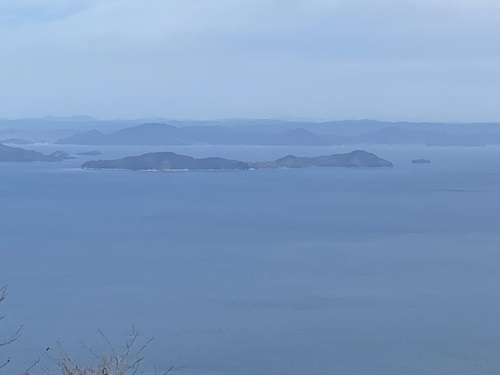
x=317, y=271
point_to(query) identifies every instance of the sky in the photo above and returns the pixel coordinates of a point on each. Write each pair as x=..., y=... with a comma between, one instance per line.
x=417, y=60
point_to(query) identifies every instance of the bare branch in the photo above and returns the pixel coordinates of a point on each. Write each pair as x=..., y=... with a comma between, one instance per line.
x=3, y=292
x=12, y=337
x=170, y=369
x=5, y=363
x=36, y=362
x=105, y=338
x=124, y=362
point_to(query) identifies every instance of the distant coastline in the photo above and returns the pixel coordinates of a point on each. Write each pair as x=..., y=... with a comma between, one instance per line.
x=264, y=132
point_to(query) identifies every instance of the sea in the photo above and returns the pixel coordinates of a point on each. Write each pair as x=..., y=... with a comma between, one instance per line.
x=319, y=271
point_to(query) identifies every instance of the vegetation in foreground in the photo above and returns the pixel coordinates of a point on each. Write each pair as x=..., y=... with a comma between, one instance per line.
x=118, y=361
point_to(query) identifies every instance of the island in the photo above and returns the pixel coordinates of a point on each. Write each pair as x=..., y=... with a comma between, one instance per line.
x=90, y=153
x=165, y=161
x=16, y=141
x=354, y=159
x=420, y=161
x=14, y=154
x=169, y=161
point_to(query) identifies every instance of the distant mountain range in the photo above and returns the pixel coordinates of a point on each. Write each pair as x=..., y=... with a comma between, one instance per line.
x=164, y=134
x=169, y=161
x=89, y=131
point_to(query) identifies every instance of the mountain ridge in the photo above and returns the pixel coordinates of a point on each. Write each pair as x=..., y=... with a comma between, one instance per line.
x=161, y=134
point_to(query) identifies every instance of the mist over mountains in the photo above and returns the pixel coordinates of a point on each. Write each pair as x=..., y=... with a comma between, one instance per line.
x=89, y=131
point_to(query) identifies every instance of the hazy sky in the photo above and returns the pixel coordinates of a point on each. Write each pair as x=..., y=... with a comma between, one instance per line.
x=320, y=59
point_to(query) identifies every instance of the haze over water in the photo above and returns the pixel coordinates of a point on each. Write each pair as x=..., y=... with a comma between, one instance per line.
x=311, y=271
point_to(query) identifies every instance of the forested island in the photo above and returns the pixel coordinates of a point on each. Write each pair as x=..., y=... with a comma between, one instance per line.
x=168, y=161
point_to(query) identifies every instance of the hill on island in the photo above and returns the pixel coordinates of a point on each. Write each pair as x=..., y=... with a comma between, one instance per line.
x=168, y=161
x=14, y=154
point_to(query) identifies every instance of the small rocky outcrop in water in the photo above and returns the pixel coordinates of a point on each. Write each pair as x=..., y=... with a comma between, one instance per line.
x=165, y=161
x=14, y=154
x=90, y=153
x=421, y=161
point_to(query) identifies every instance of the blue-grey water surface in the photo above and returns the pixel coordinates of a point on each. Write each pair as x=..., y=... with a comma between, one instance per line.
x=311, y=271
